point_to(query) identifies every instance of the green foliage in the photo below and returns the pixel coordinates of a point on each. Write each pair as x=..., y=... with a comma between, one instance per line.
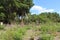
x=46, y=37
x=45, y=17
x=2, y=16
x=14, y=33
x=12, y=8
x=49, y=28
x=44, y=31
x=19, y=33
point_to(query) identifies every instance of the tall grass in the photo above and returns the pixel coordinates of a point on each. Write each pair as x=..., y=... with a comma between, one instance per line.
x=45, y=31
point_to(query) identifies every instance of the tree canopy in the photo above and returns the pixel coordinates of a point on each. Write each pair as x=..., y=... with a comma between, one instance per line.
x=12, y=8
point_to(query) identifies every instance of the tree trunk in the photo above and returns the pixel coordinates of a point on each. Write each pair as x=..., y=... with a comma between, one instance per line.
x=22, y=22
x=22, y=19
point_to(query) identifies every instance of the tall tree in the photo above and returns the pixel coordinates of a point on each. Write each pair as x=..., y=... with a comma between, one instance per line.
x=21, y=7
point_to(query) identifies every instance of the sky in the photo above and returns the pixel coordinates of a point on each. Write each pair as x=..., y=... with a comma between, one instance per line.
x=45, y=6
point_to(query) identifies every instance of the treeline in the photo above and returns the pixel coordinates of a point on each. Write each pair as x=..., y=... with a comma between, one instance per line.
x=17, y=11
x=44, y=17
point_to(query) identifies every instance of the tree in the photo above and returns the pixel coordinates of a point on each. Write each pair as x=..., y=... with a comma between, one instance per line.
x=10, y=7
x=49, y=17
x=23, y=7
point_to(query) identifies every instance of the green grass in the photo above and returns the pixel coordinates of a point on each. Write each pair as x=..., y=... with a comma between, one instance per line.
x=46, y=37
x=45, y=31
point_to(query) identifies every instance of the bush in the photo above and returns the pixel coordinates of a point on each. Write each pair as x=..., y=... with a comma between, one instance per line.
x=49, y=28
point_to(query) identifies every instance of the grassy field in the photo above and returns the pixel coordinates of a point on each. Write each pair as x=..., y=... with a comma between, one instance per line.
x=47, y=31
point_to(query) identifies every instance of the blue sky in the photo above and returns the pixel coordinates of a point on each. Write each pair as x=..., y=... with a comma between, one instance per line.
x=45, y=6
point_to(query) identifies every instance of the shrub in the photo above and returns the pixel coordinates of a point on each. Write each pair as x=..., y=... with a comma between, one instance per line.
x=49, y=28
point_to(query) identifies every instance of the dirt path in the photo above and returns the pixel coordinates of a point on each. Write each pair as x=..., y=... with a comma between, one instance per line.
x=31, y=34
x=57, y=38
x=28, y=35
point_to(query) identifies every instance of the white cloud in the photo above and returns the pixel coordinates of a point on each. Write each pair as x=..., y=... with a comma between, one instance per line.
x=39, y=9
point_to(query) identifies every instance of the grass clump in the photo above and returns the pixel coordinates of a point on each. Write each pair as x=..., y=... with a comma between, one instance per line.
x=15, y=34
x=46, y=37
